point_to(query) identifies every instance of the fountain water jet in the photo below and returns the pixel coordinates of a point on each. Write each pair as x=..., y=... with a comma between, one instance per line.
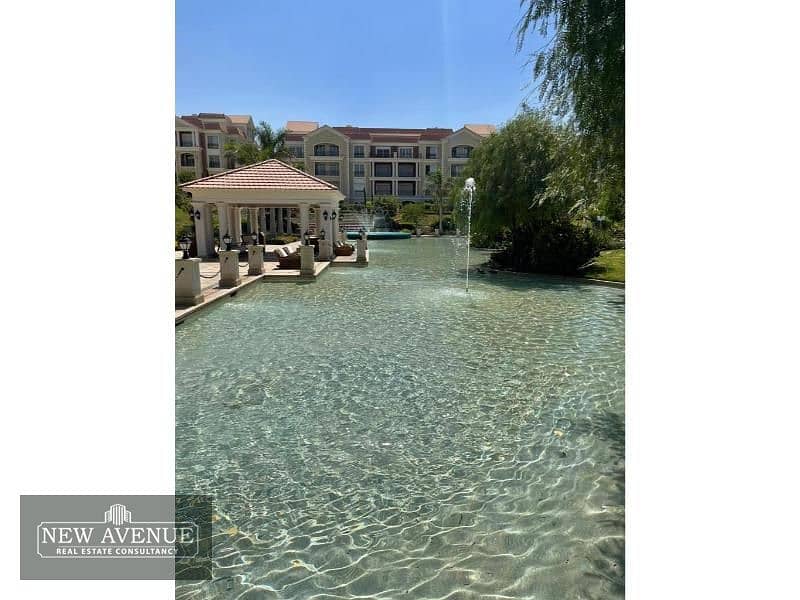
x=469, y=188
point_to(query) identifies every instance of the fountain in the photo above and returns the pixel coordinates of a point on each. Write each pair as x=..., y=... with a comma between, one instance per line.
x=469, y=188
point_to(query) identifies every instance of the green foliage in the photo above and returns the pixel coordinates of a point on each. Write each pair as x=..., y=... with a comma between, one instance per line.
x=608, y=266
x=183, y=224
x=414, y=213
x=581, y=74
x=269, y=143
x=519, y=204
x=438, y=186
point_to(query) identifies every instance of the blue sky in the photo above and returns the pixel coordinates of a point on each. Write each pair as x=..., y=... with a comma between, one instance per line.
x=372, y=63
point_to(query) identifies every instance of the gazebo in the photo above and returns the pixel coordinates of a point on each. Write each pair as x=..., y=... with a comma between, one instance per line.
x=267, y=192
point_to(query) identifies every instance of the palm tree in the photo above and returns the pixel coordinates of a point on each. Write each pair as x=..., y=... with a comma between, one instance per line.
x=439, y=187
x=271, y=142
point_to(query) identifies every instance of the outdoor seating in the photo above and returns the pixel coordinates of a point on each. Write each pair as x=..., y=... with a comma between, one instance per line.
x=342, y=249
x=287, y=259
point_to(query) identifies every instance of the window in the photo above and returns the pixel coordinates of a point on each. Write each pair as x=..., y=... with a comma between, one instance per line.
x=186, y=139
x=461, y=151
x=326, y=169
x=326, y=150
x=406, y=170
x=358, y=170
x=212, y=141
x=405, y=152
x=383, y=188
x=456, y=170
x=431, y=152
x=431, y=169
x=296, y=151
x=382, y=170
x=358, y=188
x=383, y=152
x=358, y=151
x=213, y=161
x=406, y=188
x=187, y=160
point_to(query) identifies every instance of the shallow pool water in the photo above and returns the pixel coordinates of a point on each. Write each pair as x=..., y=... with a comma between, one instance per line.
x=380, y=433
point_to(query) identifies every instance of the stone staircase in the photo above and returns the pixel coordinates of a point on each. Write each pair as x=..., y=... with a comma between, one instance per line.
x=353, y=220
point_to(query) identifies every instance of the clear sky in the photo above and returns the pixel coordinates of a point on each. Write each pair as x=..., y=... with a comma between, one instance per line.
x=370, y=63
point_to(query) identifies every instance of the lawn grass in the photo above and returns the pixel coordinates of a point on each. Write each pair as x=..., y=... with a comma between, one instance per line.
x=608, y=266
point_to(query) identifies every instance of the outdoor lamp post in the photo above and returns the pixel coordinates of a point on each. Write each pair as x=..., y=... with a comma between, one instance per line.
x=184, y=243
x=306, y=235
x=254, y=237
x=227, y=241
x=322, y=234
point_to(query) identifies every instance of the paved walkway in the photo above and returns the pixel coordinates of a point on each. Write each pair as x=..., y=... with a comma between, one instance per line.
x=209, y=280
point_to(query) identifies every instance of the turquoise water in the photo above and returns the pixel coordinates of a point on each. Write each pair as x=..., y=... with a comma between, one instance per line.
x=379, y=433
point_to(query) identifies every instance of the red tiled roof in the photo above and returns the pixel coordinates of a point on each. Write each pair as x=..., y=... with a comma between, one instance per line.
x=212, y=126
x=395, y=139
x=193, y=121
x=270, y=174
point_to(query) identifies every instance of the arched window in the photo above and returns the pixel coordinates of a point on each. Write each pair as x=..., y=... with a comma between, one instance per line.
x=326, y=150
x=461, y=151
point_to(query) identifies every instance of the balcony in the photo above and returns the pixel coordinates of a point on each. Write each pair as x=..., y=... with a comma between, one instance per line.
x=393, y=152
x=406, y=170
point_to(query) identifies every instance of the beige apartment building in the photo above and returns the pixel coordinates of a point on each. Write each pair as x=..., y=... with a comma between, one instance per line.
x=371, y=161
x=200, y=139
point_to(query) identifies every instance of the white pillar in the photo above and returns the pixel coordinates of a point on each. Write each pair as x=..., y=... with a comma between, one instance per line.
x=203, y=230
x=229, y=269
x=263, y=222
x=303, y=220
x=255, y=259
x=187, y=283
x=273, y=221
x=253, y=221
x=224, y=223
x=236, y=224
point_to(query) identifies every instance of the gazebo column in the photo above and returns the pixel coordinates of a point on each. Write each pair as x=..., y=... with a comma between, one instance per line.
x=224, y=223
x=253, y=220
x=273, y=221
x=203, y=231
x=326, y=245
x=303, y=221
x=263, y=222
x=236, y=224
x=286, y=221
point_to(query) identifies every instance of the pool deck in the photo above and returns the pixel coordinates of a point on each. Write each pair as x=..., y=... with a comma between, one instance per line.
x=209, y=280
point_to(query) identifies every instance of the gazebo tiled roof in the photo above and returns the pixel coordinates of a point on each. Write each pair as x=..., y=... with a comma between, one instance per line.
x=270, y=174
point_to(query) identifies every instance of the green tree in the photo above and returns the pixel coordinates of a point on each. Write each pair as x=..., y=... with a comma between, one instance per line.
x=581, y=74
x=182, y=204
x=413, y=212
x=517, y=202
x=439, y=187
x=269, y=143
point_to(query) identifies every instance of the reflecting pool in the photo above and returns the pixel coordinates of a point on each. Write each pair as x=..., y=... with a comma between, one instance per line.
x=379, y=433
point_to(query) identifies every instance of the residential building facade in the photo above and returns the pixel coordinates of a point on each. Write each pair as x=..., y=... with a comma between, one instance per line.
x=200, y=141
x=368, y=161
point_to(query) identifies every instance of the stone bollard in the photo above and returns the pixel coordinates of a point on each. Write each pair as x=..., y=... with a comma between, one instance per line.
x=325, y=250
x=438, y=232
x=361, y=250
x=255, y=260
x=307, y=261
x=229, y=269
x=187, y=282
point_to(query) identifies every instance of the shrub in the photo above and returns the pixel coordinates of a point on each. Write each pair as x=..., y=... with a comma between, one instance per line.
x=559, y=247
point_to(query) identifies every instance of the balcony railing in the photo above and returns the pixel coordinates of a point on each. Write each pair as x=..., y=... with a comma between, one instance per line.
x=393, y=153
x=326, y=153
